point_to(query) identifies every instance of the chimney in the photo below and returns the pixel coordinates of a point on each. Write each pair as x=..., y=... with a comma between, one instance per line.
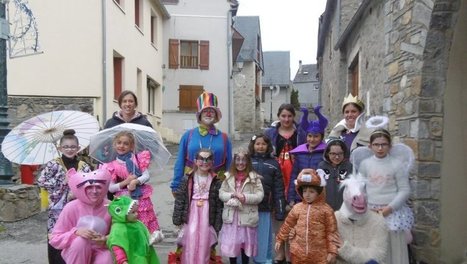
x=300, y=66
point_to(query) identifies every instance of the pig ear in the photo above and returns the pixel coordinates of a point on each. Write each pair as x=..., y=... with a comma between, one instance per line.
x=107, y=168
x=71, y=172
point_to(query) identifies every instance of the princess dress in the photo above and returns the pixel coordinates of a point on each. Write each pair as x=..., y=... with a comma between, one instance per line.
x=198, y=235
x=120, y=172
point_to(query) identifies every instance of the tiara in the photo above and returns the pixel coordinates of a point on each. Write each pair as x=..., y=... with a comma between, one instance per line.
x=353, y=99
x=380, y=131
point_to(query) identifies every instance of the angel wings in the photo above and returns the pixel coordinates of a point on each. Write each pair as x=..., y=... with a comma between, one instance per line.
x=399, y=151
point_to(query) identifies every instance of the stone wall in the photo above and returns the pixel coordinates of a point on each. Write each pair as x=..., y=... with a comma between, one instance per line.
x=21, y=108
x=18, y=202
x=245, y=112
x=404, y=49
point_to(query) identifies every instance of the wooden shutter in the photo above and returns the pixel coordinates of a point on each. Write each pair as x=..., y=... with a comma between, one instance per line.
x=204, y=55
x=118, y=77
x=173, y=53
x=187, y=97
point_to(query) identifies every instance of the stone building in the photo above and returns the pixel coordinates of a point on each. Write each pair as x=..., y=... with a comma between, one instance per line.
x=306, y=82
x=276, y=83
x=406, y=59
x=247, y=77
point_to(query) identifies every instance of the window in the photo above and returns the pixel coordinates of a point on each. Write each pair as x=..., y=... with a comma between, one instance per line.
x=193, y=54
x=354, y=76
x=188, y=54
x=118, y=75
x=153, y=28
x=152, y=87
x=187, y=97
x=138, y=13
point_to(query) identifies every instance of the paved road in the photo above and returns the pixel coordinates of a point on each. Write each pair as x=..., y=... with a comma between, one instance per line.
x=25, y=241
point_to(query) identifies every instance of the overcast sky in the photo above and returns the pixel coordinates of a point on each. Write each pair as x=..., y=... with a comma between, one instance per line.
x=287, y=25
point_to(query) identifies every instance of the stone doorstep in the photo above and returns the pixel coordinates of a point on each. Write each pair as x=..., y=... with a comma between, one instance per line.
x=19, y=201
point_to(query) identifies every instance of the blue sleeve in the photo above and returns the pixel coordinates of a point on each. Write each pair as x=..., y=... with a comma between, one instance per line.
x=179, y=166
x=291, y=193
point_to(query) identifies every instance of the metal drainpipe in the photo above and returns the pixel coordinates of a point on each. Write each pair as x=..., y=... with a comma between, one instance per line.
x=104, y=61
x=229, y=73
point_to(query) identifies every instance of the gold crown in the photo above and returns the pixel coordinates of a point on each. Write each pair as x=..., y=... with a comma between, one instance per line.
x=353, y=99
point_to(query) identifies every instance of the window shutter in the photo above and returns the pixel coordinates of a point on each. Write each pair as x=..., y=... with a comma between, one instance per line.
x=173, y=53
x=204, y=55
x=187, y=97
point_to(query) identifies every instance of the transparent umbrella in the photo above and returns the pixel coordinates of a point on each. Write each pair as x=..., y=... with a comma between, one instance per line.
x=146, y=139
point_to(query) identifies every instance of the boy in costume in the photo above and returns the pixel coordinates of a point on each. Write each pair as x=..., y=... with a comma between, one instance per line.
x=129, y=238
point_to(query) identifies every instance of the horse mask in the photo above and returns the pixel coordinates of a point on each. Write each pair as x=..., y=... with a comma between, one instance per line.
x=355, y=197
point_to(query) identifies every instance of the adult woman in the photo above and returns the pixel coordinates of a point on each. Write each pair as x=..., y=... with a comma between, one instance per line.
x=127, y=101
x=285, y=135
x=206, y=135
x=352, y=128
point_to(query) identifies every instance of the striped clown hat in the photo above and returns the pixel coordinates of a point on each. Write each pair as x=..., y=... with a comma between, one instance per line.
x=207, y=100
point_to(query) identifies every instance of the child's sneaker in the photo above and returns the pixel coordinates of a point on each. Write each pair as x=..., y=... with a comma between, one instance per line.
x=156, y=237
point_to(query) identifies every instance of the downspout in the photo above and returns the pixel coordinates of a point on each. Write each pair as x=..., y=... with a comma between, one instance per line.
x=229, y=72
x=104, y=61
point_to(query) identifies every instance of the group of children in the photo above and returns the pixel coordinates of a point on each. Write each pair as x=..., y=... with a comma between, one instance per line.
x=253, y=191
x=80, y=229
x=235, y=211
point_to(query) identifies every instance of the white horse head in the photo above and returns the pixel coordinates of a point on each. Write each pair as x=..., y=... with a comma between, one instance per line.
x=355, y=197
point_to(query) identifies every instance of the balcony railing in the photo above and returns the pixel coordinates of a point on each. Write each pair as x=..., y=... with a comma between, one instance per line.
x=189, y=62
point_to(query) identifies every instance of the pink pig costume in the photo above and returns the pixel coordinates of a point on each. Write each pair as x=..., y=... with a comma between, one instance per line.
x=82, y=213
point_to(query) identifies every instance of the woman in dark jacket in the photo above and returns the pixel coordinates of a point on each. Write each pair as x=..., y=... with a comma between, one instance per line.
x=127, y=101
x=268, y=168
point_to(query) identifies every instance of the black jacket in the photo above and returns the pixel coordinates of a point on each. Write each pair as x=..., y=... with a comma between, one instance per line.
x=333, y=176
x=273, y=185
x=183, y=200
x=115, y=120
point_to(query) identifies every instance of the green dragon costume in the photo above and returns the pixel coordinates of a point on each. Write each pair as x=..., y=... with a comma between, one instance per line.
x=131, y=236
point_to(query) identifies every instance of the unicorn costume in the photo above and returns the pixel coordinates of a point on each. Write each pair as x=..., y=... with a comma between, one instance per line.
x=83, y=213
x=363, y=232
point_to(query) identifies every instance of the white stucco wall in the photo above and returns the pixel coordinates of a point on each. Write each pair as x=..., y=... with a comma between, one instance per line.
x=134, y=44
x=191, y=20
x=71, y=37
x=70, y=64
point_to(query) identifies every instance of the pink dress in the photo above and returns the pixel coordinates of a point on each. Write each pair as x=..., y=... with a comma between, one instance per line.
x=119, y=173
x=198, y=235
x=234, y=238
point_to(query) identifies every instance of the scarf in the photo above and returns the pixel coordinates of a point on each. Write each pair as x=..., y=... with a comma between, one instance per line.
x=70, y=163
x=203, y=131
x=240, y=176
x=132, y=168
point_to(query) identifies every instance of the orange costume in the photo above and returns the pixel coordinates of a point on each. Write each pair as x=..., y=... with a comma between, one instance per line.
x=314, y=223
